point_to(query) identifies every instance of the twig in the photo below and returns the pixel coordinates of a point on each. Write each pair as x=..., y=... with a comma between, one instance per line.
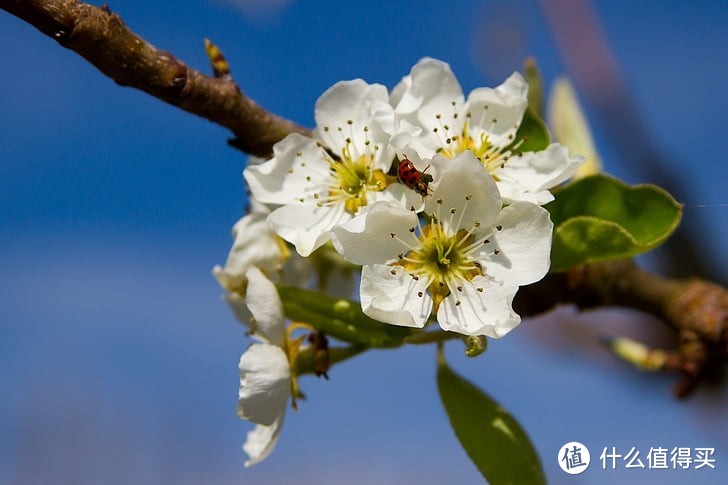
x=102, y=38
x=696, y=309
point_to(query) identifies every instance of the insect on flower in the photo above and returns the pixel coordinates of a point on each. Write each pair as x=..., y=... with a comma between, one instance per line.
x=413, y=178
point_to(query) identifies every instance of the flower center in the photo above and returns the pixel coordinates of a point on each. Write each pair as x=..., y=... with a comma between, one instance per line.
x=353, y=178
x=442, y=258
x=493, y=157
x=352, y=173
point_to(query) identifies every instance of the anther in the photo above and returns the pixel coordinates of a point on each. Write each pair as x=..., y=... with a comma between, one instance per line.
x=415, y=277
x=457, y=303
x=400, y=255
x=460, y=288
x=480, y=290
x=496, y=252
x=393, y=272
x=499, y=227
x=486, y=241
x=411, y=229
x=440, y=284
x=349, y=122
x=452, y=211
x=326, y=128
x=438, y=116
x=468, y=197
x=476, y=224
x=392, y=235
x=439, y=201
x=477, y=264
x=419, y=293
x=290, y=170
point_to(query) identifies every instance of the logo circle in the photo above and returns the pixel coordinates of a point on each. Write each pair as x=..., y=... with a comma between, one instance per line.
x=574, y=458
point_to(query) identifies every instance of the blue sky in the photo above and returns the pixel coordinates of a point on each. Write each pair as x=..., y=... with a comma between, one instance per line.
x=120, y=360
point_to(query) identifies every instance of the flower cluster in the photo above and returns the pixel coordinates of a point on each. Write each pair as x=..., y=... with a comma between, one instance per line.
x=424, y=189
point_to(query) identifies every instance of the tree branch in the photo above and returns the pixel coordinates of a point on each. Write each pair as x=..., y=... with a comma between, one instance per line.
x=102, y=38
x=696, y=309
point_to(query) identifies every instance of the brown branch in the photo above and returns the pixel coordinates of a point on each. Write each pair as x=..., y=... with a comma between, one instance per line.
x=102, y=38
x=696, y=309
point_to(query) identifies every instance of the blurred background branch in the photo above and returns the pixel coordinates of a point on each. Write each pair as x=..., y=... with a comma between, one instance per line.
x=588, y=57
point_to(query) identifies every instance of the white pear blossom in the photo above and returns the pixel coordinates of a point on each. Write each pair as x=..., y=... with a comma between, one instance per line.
x=255, y=244
x=316, y=189
x=266, y=379
x=485, y=124
x=464, y=261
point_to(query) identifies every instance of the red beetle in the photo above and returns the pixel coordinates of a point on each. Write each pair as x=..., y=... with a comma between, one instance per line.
x=413, y=178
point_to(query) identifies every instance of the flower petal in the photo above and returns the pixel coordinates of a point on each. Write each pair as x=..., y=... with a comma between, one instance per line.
x=283, y=178
x=354, y=110
x=429, y=89
x=265, y=306
x=389, y=294
x=265, y=384
x=261, y=441
x=367, y=238
x=498, y=111
x=523, y=243
x=239, y=307
x=307, y=226
x=488, y=312
x=538, y=171
x=463, y=186
x=255, y=244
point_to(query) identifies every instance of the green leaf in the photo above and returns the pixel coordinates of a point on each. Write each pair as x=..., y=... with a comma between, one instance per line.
x=492, y=438
x=533, y=130
x=599, y=218
x=340, y=318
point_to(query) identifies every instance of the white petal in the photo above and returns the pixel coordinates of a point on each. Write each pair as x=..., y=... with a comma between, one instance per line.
x=261, y=441
x=239, y=307
x=367, y=238
x=430, y=89
x=524, y=245
x=346, y=108
x=255, y=244
x=394, y=298
x=465, y=186
x=505, y=106
x=479, y=313
x=537, y=171
x=282, y=179
x=511, y=192
x=265, y=305
x=265, y=384
x=307, y=226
